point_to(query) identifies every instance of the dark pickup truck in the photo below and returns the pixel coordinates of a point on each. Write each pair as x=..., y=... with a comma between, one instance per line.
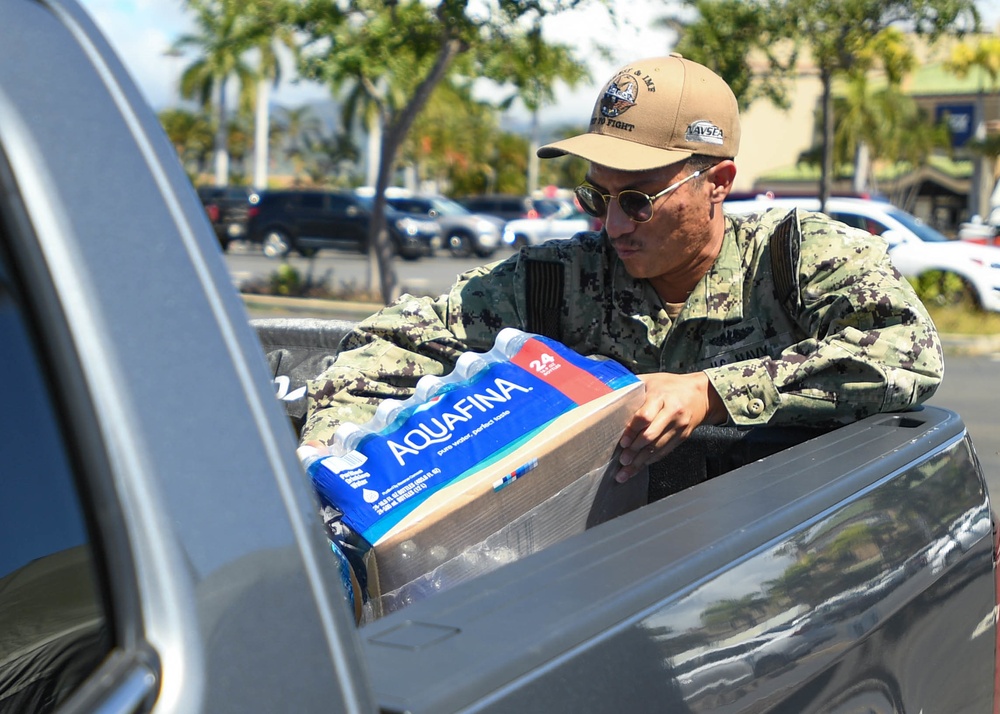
x=162, y=549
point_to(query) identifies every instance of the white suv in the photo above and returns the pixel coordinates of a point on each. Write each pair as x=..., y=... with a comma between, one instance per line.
x=958, y=269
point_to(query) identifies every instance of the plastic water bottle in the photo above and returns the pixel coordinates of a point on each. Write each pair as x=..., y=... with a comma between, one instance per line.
x=468, y=366
x=510, y=341
x=347, y=437
x=428, y=386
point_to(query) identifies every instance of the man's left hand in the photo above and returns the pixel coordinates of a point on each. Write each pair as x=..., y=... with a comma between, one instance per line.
x=675, y=404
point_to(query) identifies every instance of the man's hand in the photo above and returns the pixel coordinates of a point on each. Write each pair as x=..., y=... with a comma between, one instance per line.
x=675, y=404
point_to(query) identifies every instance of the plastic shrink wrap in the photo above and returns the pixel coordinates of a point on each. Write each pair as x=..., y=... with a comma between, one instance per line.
x=513, y=451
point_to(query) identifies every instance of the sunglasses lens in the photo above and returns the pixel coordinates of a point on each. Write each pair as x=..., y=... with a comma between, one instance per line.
x=636, y=205
x=591, y=201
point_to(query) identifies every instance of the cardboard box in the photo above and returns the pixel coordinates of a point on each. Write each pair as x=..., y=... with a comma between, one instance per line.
x=515, y=451
x=564, y=484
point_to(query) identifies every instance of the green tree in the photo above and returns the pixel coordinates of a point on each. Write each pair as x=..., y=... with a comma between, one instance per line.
x=725, y=35
x=534, y=67
x=361, y=42
x=876, y=124
x=567, y=170
x=239, y=142
x=300, y=127
x=192, y=135
x=966, y=57
x=267, y=30
x=838, y=34
x=450, y=139
x=874, y=119
x=984, y=53
x=218, y=41
x=330, y=156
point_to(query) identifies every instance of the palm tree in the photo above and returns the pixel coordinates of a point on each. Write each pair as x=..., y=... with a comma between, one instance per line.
x=534, y=67
x=869, y=123
x=360, y=105
x=839, y=36
x=219, y=40
x=267, y=31
x=983, y=56
x=300, y=126
x=191, y=135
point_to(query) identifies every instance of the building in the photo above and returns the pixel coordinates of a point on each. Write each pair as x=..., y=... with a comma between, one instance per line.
x=945, y=192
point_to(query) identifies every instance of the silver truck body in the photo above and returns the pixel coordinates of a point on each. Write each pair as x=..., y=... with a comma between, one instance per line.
x=854, y=569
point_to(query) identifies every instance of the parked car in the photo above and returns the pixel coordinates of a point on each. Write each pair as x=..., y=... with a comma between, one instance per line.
x=162, y=549
x=464, y=233
x=953, y=271
x=976, y=230
x=566, y=222
x=509, y=208
x=308, y=220
x=228, y=208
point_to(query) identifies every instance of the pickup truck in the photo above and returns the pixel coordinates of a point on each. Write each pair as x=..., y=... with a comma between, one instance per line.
x=162, y=546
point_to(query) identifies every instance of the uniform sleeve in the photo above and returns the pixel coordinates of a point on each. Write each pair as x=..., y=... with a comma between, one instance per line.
x=871, y=347
x=387, y=353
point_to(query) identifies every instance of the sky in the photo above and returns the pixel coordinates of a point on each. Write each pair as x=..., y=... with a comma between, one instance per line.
x=142, y=31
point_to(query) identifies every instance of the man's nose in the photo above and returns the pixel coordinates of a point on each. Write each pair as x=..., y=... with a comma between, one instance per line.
x=616, y=222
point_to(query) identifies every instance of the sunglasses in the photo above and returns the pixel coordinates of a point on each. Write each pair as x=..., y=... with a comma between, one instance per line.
x=637, y=205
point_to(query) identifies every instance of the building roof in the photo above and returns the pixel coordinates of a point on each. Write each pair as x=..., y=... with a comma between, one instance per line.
x=935, y=80
x=945, y=173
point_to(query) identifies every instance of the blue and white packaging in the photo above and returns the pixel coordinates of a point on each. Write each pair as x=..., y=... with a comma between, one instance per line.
x=481, y=462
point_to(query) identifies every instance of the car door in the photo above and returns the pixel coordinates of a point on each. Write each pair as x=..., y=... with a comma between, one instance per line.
x=158, y=544
x=54, y=592
x=313, y=217
x=346, y=222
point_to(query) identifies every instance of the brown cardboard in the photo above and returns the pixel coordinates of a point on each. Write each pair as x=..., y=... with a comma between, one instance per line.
x=469, y=528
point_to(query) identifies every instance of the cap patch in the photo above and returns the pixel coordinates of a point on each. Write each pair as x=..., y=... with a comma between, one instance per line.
x=623, y=92
x=705, y=132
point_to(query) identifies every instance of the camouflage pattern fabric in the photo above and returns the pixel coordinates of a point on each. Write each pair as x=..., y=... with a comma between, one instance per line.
x=849, y=339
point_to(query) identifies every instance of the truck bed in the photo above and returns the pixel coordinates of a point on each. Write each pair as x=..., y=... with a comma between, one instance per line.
x=854, y=568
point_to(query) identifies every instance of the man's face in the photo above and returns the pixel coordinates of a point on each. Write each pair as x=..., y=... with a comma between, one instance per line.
x=677, y=240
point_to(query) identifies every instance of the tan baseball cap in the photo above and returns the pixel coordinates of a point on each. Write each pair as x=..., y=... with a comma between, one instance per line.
x=656, y=112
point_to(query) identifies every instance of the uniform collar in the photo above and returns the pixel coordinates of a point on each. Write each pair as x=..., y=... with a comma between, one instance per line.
x=719, y=293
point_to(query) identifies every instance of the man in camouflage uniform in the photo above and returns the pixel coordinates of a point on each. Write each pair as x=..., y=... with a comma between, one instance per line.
x=782, y=318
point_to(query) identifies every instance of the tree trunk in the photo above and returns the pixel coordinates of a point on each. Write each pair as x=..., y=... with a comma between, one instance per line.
x=395, y=132
x=532, y=153
x=826, y=167
x=262, y=135
x=862, y=162
x=982, y=172
x=380, y=249
x=374, y=152
x=221, y=138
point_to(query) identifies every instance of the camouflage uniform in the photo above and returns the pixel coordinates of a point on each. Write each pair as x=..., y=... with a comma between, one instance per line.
x=848, y=337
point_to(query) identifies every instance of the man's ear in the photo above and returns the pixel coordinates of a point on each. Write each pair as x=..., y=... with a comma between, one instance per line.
x=720, y=178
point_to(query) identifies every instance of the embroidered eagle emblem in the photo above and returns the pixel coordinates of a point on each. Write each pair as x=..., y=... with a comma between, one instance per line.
x=731, y=337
